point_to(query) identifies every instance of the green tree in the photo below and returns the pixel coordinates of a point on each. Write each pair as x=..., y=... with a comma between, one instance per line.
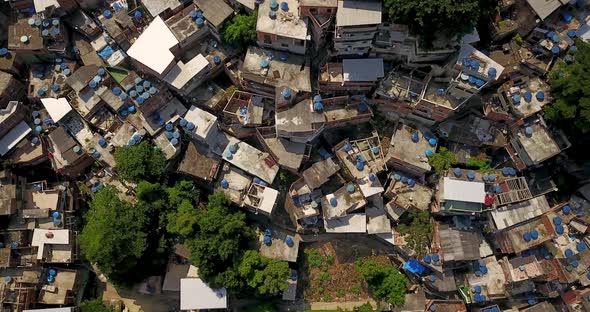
x=220, y=237
x=442, y=160
x=113, y=237
x=432, y=17
x=417, y=228
x=266, y=276
x=140, y=162
x=571, y=106
x=95, y=305
x=384, y=280
x=183, y=220
x=241, y=30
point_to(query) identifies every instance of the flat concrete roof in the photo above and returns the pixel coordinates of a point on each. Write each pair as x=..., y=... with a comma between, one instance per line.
x=40, y=239
x=152, y=47
x=286, y=24
x=468, y=51
x=205, y=122
x=345, y=202
x=196, y=295
x=250, y=159
x=300, y=118
x=540, y=145
x=278, y=249
x=358, y=13
x=182, y=73
x=262, y=198
x=155, y=7
x=377, y=221
x=404, y=149
x=464, y=191
x=289, y=73
x=238, y=183
x=215, y=11
x=352, y=223
x=406, y=196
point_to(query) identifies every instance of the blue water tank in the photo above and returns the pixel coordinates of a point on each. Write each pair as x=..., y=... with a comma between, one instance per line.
x=190, y=126
x=286, y=93
x=411, y=182
x=139, y=100
x=556, y=38
x=571, y=33
x=284, y=6
x=435, y=257
x=467, y=62
x=233, y=148
x=516, y=99
x=350, y=188
x=415, y=137
x=274, y=4
x=107, y=14
x=3, y=51
x=498, y=189
x=432, y=141
x=471, y=175
x=559, y=229
x=375, y=150
x=526, y=236
x=272, y=14
x=360, y=166
x=92, y=84
x=318, y=107
x=317, y=98
x=479, y=83
x=569, y=253
x=555, y=50
x=440, y=91
x=333, y=202
x=124, y=113
x=397, y=177
x=477, y=289
x=217, y=60
x=183, y=122
x=566, y=209
x=117, y=90
x=50, y=278
x=283, y=56
x=568, y=17
x=429, y=153
x=528, y=131
x=427, y=259
x=264, y=63
x=200, y=22
x=54, y=87
x=534, y=234
x=540, y=95
x=492, y=72
x=137, y=14
x=372, y=177
x=169, y=127
x=174, y=141
x=347, y=148
x=404, y=180
x=169, y=135
x=457, y=172
x=267, y=240
x=100, y=71
x=581, y=246
x=492, y=177
x=483, y=269
x=289, y=241
x=38, y=129
x=575, y=264
x=131, y=109
x=475, y=65
x=102, y=142
x=528, y=96
x=224, y=184
x=557, y=220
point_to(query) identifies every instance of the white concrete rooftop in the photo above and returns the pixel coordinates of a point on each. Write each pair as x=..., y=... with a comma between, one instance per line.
x=152, y=47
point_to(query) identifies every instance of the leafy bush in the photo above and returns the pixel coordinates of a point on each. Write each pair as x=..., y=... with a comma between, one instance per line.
x=384, y=280
x=314, y=259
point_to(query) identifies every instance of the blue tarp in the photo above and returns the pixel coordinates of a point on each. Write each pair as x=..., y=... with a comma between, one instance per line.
x=106, y=52
x=414, y=267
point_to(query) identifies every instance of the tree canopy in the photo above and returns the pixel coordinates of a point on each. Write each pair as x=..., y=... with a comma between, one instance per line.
x=571, y=106
x=442, y=160
x=140, y=162
x=95, y=305
x=220, y=235
x=241, y=30
x=113, y=237
x=417, y=227
x=433, y=16
x=384, y=280
x=266, y=276
x=129, y=242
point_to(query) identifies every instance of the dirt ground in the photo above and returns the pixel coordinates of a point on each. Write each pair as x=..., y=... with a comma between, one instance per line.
x=328, y=273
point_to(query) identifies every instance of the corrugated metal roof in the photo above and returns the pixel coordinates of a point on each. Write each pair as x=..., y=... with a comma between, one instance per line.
x=362, y=69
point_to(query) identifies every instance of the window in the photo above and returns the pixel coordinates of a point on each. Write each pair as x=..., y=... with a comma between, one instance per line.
x=299, y=42
x=267, y=39
x=284, y=45
x=313, y=11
